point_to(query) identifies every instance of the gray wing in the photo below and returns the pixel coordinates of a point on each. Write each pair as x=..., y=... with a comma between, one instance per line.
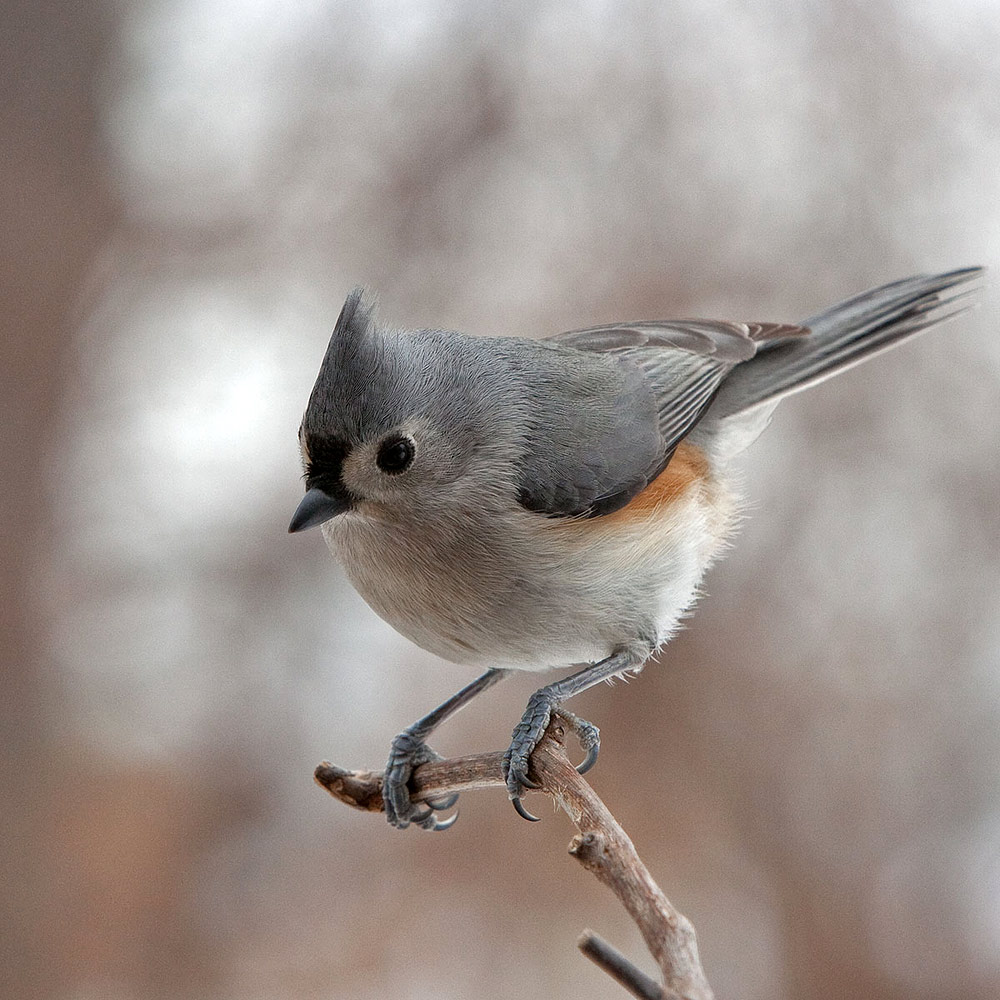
x=611, y=428
x=589, y=428
x=684, y=361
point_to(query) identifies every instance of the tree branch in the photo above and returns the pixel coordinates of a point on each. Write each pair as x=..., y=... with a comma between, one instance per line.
x=619, y=968
x=601, y=846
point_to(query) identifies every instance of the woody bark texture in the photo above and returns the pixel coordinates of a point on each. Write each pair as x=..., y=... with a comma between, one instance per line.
x=600, y=845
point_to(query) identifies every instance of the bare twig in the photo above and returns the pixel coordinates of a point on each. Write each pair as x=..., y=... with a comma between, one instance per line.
x=619, y=968
x=601, y=846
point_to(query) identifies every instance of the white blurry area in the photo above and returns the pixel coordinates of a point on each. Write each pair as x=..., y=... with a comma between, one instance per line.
x=813, y=771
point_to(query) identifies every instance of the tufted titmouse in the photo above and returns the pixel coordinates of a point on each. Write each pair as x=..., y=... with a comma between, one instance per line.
x=517, y=504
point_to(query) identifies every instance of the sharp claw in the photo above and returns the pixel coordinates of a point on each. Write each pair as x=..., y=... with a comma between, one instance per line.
x=589, y=761
x=528, y=783
x=521, y=811
x=444, y=824
x=440, y=805
x=408, y=751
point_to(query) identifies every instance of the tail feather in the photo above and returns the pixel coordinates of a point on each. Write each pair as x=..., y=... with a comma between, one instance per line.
x=841, y=337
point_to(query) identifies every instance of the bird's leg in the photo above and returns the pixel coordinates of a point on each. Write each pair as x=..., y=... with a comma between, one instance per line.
x=409, y=750
x=541, y=705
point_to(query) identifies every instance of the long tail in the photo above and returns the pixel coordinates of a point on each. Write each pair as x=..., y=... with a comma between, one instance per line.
x=840, y=337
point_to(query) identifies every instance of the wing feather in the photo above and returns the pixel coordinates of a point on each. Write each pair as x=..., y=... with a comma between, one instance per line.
x=685, y=361
x=666, y=375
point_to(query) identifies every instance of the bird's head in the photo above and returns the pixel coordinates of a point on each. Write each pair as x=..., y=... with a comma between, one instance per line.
x=394, y=421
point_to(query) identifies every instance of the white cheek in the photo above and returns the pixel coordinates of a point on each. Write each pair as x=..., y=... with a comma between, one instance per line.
x=359, y=472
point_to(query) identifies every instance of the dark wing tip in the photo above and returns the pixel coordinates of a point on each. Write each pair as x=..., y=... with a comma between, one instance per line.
x=961, y=274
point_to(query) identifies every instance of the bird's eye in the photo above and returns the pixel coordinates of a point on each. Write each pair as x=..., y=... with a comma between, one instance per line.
x=395, y=454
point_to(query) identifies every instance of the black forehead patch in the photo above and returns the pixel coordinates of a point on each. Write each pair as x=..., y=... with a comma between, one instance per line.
x=325, y=459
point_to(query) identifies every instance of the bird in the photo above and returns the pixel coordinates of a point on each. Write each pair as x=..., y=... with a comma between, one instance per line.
x=512, y=503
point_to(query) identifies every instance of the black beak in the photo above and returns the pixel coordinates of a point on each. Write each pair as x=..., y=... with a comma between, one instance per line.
x=315, y=508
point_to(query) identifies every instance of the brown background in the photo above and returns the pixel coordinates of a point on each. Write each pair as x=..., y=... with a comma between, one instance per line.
x=189, y=189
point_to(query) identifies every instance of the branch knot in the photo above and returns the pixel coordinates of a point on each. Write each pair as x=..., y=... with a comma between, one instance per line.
x=590, y=849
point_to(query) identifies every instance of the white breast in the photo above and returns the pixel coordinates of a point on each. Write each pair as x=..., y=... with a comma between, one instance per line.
x=514, y=589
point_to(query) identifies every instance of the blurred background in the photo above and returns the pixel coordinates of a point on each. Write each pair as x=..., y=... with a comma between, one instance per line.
x=190, y=187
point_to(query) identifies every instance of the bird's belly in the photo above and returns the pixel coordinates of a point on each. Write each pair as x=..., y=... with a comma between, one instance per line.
x=542, y=592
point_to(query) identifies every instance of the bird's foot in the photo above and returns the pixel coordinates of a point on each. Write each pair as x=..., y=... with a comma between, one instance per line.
x=527, y=734
x=409, y=751
x=589, y=736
